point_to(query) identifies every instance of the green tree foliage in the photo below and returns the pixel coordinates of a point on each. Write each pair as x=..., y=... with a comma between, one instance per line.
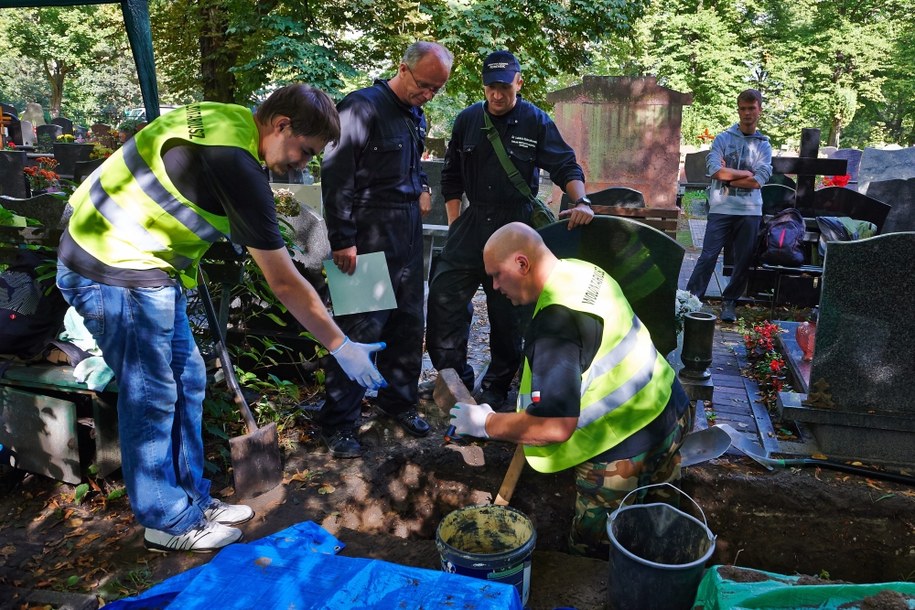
x=63, y=41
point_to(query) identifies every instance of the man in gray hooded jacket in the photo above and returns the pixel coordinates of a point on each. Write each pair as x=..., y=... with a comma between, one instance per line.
x=739, y=164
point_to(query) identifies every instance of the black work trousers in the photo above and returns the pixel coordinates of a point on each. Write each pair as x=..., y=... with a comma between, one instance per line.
x=459, y=272
x=397, y=231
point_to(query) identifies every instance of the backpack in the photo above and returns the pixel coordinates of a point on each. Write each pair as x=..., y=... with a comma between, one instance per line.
x=31, y=308
x=782, y=239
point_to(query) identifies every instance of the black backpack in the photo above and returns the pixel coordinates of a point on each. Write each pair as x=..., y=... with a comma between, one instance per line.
x=31, y=308
x=782, y=239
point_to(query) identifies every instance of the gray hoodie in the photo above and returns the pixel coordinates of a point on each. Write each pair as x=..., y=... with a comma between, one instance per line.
x=735, y=150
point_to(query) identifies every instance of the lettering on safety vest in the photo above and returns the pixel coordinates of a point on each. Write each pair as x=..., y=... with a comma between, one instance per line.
x=597, y=280
x=195, y=123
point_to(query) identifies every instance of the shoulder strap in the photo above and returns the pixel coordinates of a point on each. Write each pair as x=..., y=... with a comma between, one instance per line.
x=514, y=175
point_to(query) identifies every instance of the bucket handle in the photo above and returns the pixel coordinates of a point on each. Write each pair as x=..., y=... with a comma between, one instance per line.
x=675, y=488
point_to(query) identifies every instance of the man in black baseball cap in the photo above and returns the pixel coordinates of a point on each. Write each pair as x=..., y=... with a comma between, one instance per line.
x=472, y=167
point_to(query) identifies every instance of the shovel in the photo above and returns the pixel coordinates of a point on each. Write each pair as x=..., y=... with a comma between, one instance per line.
x=443, y=399
x=746, y=446
x=703, y=445
x=256, y=463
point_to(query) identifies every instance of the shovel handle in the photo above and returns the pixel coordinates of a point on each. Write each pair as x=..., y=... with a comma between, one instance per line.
x=511, y=478
x=227, y=368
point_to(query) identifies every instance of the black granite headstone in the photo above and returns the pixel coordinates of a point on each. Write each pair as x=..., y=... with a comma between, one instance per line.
x=694, y=168
x=12, y=179
x=620, y=196
x=853, y=156
x=859, y=401
x=50, y=210
x=67, y=154
x=900, y=195
x=65, y=124
x=47, y=133
x=840, y=201
x=644, y=261
x=776, y=197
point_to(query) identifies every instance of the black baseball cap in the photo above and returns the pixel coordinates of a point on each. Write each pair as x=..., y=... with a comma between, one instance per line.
x=500, y=67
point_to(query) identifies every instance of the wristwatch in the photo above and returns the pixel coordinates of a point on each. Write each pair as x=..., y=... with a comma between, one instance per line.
x=426, y=189
x=584, y=200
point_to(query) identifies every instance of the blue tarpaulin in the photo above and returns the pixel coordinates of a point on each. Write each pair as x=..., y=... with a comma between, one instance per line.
x=297, y=568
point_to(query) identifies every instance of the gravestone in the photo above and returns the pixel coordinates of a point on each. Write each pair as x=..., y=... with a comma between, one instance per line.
x=840, y=201
x=619, y=196
x=66, y=124
x=13, y=130
x=625, y=132
x=28, y=133
x=12, y=178
x=877, y=165
x=48, y=133
x=435, y=223
x=853, y=156
x=695, y=169
x=900, y=196
x=33, y=113
x=435, y=147
x=49, y=210
x=776, y=197
x=9, y=109
x=311, y=236
x=68, y=154
x=859, y=401
x=807, y=166
x=644, y=261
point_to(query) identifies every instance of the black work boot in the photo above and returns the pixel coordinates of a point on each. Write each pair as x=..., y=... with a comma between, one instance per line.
x=343, y=443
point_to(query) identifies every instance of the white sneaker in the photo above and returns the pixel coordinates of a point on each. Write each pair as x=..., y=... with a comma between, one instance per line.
x=228, y=514
x=206, y=538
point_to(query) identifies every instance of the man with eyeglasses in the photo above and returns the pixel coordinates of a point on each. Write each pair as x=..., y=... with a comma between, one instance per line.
x=472, y=167
x=375, y=195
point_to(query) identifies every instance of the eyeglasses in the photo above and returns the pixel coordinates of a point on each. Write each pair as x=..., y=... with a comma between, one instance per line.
x=426, y=86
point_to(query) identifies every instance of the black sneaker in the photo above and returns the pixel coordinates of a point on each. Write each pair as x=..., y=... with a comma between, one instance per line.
x=343, y=443
x=409, y=420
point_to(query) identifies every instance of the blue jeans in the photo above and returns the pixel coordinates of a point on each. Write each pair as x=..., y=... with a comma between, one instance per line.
x=743, y=233
x=146, y=339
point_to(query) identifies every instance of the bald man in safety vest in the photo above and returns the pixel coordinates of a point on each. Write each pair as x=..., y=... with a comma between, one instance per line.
x=595, y=394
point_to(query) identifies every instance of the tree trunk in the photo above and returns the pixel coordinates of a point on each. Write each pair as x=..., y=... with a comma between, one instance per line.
x=835, y=132
x=216, y=57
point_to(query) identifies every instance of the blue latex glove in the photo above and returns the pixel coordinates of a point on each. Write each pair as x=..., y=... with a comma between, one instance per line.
x=470, y=419
x=355, y=360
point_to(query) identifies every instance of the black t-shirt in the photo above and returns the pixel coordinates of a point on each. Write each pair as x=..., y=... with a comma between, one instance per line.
x=560, y=344
x=227, y=180
x=224, y=180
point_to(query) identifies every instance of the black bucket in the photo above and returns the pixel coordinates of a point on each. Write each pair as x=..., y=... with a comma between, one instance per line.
x=657, y=555
x=494, y=543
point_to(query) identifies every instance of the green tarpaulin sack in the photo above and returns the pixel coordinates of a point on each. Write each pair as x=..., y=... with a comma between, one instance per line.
x=735, y=588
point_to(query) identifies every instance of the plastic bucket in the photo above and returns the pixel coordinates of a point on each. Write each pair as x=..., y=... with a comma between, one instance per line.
x=494, y=543
x=657, y=554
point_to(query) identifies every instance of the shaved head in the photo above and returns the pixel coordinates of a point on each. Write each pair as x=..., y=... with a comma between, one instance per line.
x=518, y=262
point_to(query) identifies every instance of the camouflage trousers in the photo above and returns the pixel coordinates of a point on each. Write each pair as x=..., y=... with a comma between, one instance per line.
x=601, y=486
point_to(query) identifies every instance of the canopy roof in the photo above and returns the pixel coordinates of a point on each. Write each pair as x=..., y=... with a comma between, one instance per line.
x=136, y=20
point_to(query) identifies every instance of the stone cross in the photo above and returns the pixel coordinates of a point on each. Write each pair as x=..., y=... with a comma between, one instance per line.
x=807, y=167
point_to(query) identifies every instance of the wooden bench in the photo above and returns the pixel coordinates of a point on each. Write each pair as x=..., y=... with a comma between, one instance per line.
x=662, y=219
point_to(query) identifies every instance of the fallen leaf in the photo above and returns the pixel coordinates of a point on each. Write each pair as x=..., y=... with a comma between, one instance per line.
x=327, y=488
x=7, y=550
x=88, y=539
x=302, y=476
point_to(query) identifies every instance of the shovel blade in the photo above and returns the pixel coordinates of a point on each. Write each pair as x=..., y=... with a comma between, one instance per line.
x=256, y=461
